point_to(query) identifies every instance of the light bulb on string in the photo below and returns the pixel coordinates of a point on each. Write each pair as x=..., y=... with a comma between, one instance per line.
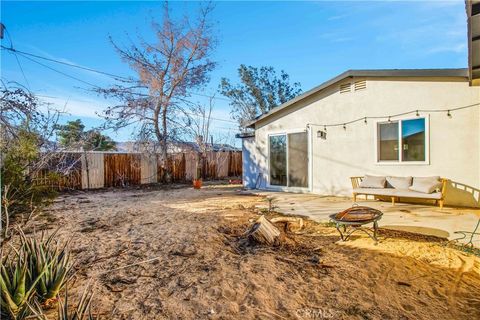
x=365, y=120
x=389, y=120
x=344, y=126
x=449, y=114
x=325, y=128
x=418, y=114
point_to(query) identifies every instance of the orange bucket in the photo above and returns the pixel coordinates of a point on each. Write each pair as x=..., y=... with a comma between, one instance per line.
x=197, y=183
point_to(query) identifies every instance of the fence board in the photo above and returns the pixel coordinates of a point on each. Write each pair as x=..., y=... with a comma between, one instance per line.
x=235, y=164
x=93, y=170
x=190, y=165
x=63, y=172
x=122, y=169
x=148, y=169
x=223, y=160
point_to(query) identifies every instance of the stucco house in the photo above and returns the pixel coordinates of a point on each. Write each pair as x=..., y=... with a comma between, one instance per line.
x=376, y=122
x=397, y=123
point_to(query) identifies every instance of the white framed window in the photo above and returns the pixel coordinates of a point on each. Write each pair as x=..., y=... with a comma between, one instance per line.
x=403, y=141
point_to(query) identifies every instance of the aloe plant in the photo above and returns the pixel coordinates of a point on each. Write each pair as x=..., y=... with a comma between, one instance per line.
x=18, y=289
x=49, y=262
x=81, y=311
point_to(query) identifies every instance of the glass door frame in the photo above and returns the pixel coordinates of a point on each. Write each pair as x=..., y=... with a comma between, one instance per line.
x=309, y=160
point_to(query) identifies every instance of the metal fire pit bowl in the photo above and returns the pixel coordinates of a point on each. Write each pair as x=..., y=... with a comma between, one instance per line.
x=354, y=219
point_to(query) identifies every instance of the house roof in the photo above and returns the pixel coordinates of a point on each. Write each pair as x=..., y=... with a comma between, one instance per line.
x=410, y=73
x=244, y=135
x=209, y=146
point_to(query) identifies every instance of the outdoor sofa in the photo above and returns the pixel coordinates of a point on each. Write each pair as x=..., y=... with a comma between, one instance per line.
x=429, y=188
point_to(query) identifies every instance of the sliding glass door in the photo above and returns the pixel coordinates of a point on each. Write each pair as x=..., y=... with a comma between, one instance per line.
x=288, y=160
x=278, y=160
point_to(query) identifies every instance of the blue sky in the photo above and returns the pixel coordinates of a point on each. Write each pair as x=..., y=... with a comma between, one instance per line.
x=311, y=41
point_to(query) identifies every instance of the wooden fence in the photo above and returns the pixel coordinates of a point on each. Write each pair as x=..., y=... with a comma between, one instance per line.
x=93, y=170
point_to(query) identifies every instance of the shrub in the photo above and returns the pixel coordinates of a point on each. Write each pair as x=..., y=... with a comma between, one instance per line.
x=81, y=311
x=19, y=194
x=17, y=288
x=34, y=273
x=48, y=261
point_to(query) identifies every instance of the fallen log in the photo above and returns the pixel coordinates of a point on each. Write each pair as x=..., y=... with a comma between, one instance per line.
x=263, y=232
x=292, y=224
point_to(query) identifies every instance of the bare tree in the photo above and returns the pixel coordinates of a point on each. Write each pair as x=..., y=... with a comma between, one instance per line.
x=177, y=62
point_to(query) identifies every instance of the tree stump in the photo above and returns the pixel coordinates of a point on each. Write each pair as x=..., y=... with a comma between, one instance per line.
x=264, y=232
x=292, y=224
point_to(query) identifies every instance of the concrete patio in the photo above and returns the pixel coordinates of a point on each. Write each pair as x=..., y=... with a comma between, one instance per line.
x=418, y=218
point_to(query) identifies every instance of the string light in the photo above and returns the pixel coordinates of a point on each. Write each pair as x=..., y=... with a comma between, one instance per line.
x=416, y=112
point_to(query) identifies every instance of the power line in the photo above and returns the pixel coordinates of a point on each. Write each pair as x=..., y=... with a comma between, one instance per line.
x=66, y=63
x=60, y=72
x=116, y=77
x=16, y=58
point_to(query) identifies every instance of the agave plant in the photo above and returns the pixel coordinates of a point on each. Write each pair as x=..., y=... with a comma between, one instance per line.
x=49, y=262
x=81, y=311
x=17, y=289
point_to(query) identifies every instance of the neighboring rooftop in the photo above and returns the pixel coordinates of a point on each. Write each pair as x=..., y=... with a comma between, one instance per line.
x=385, y=73
x=173, y=146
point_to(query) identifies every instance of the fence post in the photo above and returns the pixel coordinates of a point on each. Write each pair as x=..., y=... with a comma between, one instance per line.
x=85, y=171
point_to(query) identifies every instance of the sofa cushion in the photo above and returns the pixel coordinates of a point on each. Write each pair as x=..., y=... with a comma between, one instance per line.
x=399, y=182
x=374, y=191
x=373, y=182
x=415, y=194
x=426, y=184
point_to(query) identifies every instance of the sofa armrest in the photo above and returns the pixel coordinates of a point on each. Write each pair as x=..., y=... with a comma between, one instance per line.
x=356, y=182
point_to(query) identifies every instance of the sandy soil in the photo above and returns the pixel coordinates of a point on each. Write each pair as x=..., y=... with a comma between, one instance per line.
x=197, y=269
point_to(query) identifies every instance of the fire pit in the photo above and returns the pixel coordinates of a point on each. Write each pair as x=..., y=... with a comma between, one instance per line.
x=354, y=218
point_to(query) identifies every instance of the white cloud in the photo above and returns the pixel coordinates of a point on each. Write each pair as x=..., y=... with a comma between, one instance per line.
x=76, y=106
x=337, y=17
x=456, y=48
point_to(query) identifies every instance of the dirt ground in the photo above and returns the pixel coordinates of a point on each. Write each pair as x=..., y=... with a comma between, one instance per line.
x=196, y=269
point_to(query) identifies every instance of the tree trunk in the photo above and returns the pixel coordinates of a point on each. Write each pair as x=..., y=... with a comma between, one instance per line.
x=168, y=174
x=263, y=232
x=198, y=167
x=166, y=177
x=162, y=138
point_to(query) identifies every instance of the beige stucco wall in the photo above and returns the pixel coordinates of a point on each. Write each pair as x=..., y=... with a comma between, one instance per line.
x=454, y=142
